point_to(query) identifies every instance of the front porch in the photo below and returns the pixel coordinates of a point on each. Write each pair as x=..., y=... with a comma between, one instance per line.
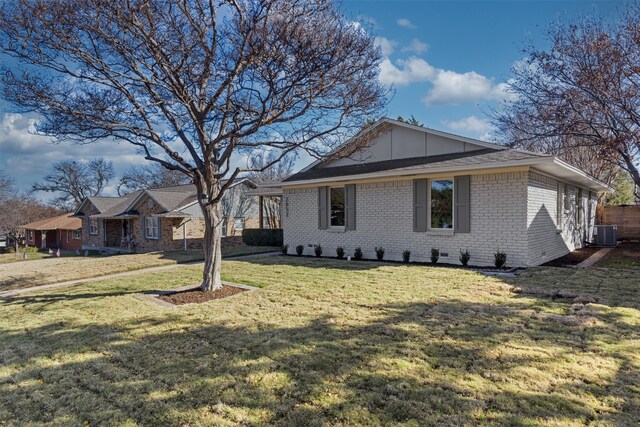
x=118, y=235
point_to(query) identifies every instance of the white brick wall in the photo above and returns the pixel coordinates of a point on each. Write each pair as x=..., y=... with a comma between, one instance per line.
x=545, y=239
x=384, y=217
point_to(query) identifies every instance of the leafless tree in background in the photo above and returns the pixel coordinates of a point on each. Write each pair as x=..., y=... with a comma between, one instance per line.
x=193, y=82
x=6, y=186
x=236, y=204
x=153, y=175
x=75, y=181
x=276, y=173
x=580, y=99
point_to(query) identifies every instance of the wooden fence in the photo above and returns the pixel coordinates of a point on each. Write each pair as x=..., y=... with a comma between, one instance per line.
x=627, y=218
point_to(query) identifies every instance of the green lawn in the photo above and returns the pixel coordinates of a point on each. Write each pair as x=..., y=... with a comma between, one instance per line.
x=48, y=269
x=625, y=256
x=326, y=343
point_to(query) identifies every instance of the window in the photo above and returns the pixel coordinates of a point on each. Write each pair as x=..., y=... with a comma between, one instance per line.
x=151, y=227
x=225, y=221
x=77, y=234
x=93, y=226
x=441, y=206
x=337, y=199
x=31, y=235
x=238, y=223
x=560, y=205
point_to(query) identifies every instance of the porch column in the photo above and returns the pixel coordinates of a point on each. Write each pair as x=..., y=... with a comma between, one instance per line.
x=261, y=215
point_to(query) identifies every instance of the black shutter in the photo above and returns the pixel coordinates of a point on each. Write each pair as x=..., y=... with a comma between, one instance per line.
x=323, y=213
x=350, y=206
x=420, y=205
x=462, y=204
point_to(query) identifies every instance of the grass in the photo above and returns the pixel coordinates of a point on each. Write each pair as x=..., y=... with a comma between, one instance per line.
x=71, y=267
x=326, y=343
x=625, y=256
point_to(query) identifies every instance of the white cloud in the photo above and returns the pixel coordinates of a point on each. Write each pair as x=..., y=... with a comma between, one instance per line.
x=451, y=87
x=387, y=46
x=471, y=126
x=416, y=46
x=404, y=22
x=408, y=71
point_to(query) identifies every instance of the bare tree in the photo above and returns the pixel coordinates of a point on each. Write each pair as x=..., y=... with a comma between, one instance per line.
x=236, y=204
x=153, y=175
x=193, y=82
x=75, y=181
x=275, y=173
x=6, y=186
x=580, y=99
x=19, y=209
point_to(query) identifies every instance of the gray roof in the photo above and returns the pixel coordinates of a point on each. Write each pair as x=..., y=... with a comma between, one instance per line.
x=171, y=199
x=466, y=158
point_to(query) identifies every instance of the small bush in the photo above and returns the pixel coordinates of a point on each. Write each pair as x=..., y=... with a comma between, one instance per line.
x=285, y=249
x=299, y=249
x=465, y=256
x=318, y=250
x=435, y=255
x=340, y=252
x=357, y=253
x=29, y=250
x=262, y=236
x=379, y=253
x=499, y=259
x=406, y=256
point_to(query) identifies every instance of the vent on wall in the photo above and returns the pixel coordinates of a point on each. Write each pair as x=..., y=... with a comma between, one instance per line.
x=606, y=235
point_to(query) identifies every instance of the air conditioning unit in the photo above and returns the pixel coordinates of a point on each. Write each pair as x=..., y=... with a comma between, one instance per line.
x=606, y=235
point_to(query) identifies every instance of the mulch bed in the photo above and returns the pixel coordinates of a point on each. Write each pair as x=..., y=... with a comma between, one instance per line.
x=573, y=258
x=197, y=296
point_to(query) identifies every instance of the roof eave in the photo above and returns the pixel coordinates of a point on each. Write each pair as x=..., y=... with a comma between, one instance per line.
x=416, y=171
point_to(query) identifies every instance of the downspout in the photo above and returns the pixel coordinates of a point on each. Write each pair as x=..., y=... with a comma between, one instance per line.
x=184, y=233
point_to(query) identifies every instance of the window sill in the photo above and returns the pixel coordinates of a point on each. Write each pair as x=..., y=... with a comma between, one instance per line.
x=440, y=232
x=336, y=230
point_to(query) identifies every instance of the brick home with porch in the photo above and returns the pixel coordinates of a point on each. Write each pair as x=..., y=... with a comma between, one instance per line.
x=161, y=219
x=60, y=232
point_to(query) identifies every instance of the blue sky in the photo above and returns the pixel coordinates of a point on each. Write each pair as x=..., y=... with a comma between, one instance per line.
x=446, y=62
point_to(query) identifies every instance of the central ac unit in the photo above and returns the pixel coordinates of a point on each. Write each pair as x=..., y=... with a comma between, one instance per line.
x=606, y=235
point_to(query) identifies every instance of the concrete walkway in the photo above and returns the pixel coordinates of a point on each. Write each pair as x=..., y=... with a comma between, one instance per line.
x=594, y=258
x=14, y=292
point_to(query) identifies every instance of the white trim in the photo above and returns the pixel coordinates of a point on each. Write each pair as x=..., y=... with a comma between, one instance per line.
x=156, y=227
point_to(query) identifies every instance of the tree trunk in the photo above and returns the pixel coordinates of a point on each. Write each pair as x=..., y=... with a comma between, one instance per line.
x=211, y=245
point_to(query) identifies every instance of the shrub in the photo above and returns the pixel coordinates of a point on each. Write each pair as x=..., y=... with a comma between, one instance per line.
x=379, y=253
x=318, y=250
x=299, y=249
x=285, y=249
x=29, y=249
x=499, y=259
x=435, y=255
x=406, y=255
x=465, y=256
x=340, y=252
x=357, y=253
x=262, y=236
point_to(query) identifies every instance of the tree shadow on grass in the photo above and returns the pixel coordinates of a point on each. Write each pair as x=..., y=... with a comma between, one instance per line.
x=419, y=363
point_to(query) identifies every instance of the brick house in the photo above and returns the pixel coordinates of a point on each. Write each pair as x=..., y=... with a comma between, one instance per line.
x=159, y=219
x=60, y=232
x=414, y=188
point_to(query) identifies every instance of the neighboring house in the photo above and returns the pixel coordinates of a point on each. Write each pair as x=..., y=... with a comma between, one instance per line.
x=63, y=232
x=414, y=188
x=157, y=219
